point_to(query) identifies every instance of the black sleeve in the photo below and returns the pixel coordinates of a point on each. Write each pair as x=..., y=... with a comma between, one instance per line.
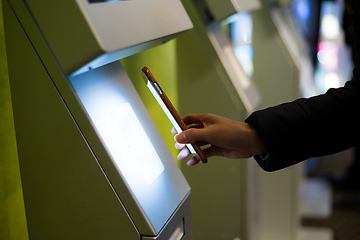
x=321, y=125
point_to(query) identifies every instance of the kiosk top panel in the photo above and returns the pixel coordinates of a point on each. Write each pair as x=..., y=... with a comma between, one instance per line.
x=221, y=10
x=91, y=33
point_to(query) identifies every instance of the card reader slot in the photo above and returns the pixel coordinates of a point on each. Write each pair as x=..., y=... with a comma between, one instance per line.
x=179, y=232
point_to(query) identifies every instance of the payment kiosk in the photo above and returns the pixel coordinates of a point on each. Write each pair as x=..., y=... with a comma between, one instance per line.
x=279, y=68
x=240, y=199
x=211, y=80
x=93, y=165
x=224, y=47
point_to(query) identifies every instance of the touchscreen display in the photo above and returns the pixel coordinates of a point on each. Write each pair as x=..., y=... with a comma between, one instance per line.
x=134, y=146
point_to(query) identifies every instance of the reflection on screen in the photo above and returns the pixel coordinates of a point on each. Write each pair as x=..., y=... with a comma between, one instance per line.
x=241, y=35
x=137, y=152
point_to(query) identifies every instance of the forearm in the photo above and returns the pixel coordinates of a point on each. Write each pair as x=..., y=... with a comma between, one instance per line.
x=305, y=128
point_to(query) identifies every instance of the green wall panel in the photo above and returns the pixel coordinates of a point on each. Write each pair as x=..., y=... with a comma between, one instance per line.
x=12, y=212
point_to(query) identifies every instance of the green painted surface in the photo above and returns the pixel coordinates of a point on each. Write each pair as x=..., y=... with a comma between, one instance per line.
x=12, y=212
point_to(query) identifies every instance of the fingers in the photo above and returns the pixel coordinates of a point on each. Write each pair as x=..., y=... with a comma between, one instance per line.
x=179, y=145
x=173, y=130
x=193, y=135
x=193, y=161
x=193, y=118
x=197, y=133
x=184, y=153
x=196, y=125
x=193, y=121
x=212, y=151
x=181, y=137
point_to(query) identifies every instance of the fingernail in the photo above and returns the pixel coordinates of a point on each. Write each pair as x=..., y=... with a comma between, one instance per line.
x=180, y=138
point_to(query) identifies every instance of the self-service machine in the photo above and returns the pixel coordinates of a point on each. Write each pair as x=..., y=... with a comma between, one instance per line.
x=93, y=165
x=225, y=12
x=213, y=81
x=278, y=69
x=297, y=47
x=242, y=200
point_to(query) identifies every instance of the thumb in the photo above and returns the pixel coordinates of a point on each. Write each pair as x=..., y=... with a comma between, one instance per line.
x=190, y=136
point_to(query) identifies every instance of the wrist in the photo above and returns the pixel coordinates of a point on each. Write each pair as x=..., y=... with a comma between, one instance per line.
x=257, y=144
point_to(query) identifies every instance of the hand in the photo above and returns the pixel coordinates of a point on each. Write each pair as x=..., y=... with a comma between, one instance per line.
x=227, y=138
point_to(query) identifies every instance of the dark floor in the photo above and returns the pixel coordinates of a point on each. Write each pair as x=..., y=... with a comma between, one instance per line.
x=345, y=216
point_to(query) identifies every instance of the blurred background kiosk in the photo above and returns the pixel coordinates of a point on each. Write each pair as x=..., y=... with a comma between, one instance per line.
x=93, y=165
x=248, y=61
x=224, y=192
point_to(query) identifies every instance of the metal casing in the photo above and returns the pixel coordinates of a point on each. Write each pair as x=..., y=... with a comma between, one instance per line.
x=244, y=86
x=277, y=2
x=83, y=35
x=72, y=185
x=223, y=9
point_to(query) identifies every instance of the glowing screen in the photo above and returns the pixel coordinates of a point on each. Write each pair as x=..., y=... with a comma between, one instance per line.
x=135, y=145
